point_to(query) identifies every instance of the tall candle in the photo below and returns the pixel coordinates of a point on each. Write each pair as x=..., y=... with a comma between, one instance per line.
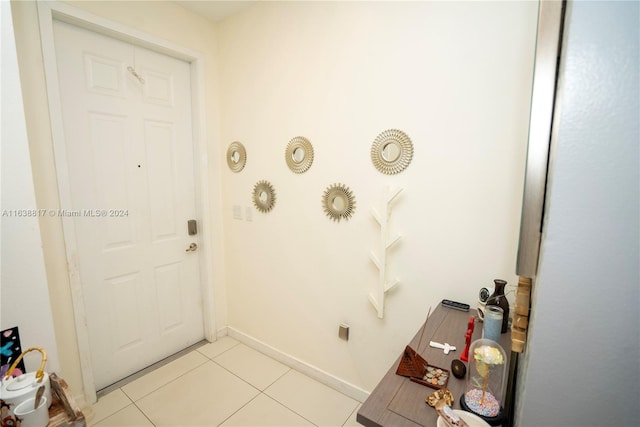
x=492, y=323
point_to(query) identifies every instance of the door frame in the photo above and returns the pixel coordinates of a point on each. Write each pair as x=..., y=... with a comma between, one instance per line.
x=208, y=219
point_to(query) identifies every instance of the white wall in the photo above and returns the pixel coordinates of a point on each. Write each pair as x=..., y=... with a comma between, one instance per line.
x=24, y=297
x=581, y=367
x=337, y=73
x=456, y=77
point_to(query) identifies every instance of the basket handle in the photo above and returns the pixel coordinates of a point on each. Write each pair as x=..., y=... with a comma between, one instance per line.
x=40, y=373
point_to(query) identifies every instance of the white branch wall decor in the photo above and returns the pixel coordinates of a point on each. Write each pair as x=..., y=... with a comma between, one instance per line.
x=386, y=243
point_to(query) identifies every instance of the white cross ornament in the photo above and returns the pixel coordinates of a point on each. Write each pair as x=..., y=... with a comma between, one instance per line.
x=446, y=347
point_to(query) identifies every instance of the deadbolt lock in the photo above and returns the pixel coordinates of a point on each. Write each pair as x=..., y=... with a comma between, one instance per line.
x=192, y=227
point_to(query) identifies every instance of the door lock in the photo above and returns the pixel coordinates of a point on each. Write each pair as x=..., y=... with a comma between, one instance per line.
x=192, y=227
x=192, y=248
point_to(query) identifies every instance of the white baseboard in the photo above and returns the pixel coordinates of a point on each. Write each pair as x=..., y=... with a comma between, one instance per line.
x=312, y=371
x=222, y=332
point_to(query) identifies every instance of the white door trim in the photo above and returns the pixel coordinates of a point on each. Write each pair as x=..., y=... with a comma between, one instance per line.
x=47, y=12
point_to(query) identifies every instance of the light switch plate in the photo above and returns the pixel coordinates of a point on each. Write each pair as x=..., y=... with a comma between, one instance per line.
x=343, y=332
x=237, y=212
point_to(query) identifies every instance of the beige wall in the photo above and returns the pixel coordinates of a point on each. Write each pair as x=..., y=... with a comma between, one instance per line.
x=456, y=77
x=24, y=297
x=164, y=20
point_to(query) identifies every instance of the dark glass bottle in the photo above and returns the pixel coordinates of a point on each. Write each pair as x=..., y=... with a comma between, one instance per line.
x=497, y=298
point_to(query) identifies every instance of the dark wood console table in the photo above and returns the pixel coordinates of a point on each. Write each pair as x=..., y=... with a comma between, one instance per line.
x=399, y=402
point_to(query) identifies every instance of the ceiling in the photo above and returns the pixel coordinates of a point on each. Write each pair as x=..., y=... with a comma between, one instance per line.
x=215, y=10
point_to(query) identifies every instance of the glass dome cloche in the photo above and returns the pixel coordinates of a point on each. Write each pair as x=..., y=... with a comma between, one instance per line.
x=486, y=378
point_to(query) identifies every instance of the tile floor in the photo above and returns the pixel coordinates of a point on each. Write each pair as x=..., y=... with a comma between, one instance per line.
x=225, y=384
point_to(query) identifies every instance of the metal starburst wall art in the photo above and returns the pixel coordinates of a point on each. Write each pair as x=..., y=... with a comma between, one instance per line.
x=391, y=151
x=338, y=202
x=264, y=196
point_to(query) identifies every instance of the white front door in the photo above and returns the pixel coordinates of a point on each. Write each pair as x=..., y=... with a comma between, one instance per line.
x=127, y=124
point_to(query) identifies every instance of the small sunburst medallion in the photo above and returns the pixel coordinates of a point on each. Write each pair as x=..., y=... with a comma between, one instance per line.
x=236, y=156
x=264, y=196
x=299, y=154
x=392, y=151
x=338, y=202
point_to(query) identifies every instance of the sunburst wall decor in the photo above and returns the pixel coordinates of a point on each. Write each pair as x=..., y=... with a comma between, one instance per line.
x=264, y=196
x=338, y=202
x=299, y=154
x=236, y=156
x=392, y=151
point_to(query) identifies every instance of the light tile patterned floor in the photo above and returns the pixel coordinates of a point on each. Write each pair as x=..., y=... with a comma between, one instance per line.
x=225, y=384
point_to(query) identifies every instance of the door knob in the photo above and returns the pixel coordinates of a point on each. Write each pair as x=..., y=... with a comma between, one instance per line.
x=192, y=248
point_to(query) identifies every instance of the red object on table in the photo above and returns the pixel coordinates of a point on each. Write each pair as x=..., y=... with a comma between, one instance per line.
x=465, y=353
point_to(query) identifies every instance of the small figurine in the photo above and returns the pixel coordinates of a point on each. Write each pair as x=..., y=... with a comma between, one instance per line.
x=465, y=353
x=7, y=419
x=442, y=401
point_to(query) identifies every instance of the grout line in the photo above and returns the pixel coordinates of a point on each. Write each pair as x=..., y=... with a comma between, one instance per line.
x=223, y=352
x=236, y=375
x=93, y=423
x=355, y=410
x=143, y=413
x=96, y=420
x=240, y=408
x=285, y=406
x=276, y=380
x=263, y=392
x=126, y=380
x=246, y=381
x=311, y=371
x=165, y=384
x=321, y=384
